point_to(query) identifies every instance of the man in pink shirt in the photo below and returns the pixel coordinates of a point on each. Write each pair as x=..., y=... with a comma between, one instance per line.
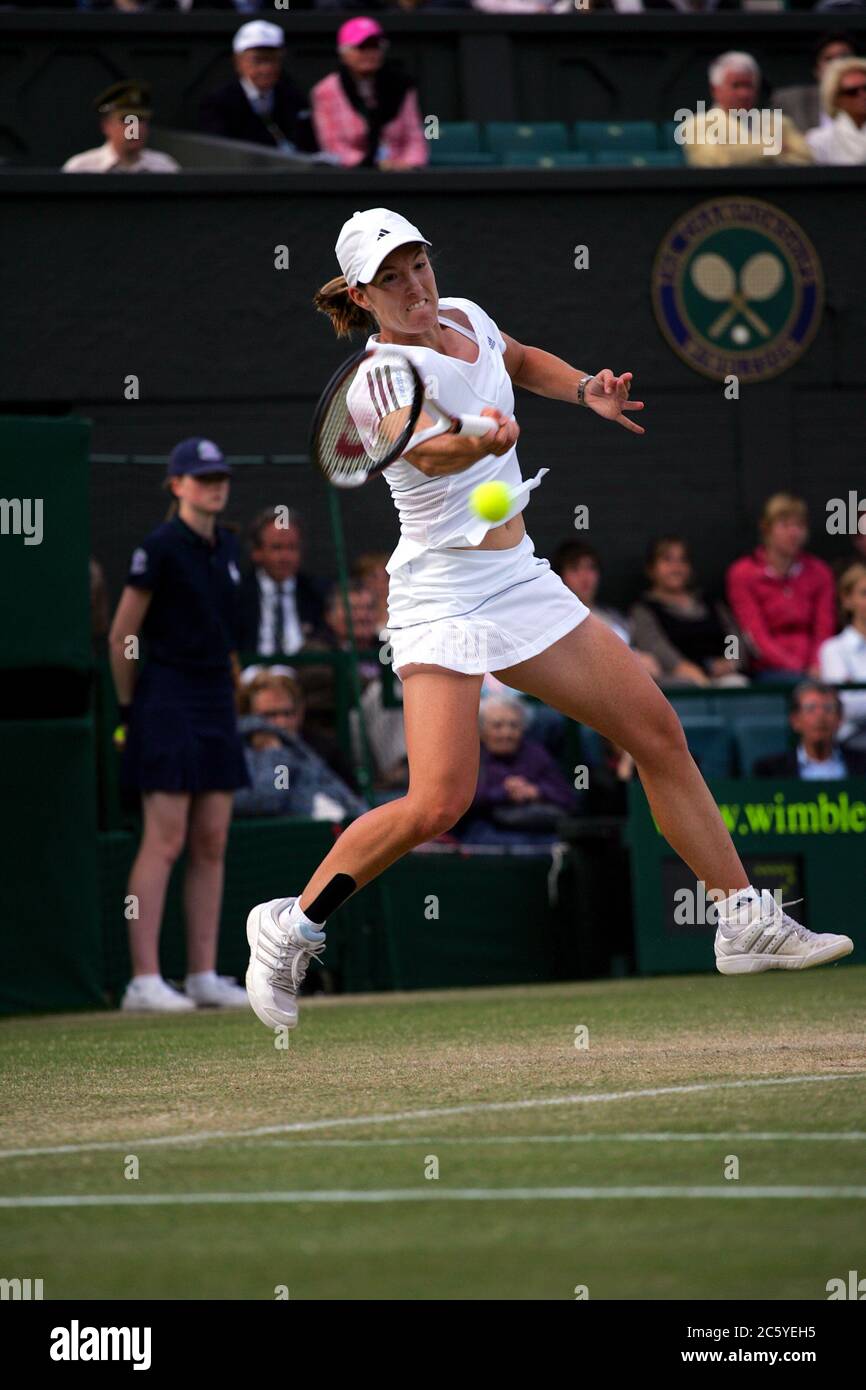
x=782, y=598
x=366, y=113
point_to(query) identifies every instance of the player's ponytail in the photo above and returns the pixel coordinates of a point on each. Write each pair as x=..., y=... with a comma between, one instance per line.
x=334, y=300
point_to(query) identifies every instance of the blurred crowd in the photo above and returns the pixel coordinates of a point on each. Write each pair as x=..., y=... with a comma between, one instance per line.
x=366, y=112
x=784, y=617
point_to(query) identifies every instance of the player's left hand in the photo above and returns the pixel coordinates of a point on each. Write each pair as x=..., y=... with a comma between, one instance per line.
x=607, y=395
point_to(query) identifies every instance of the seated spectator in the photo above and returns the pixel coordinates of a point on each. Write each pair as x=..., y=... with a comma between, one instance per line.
x=366, y=113
x=843, y=658
x=543, y=724
x=843, y=96
x=782, y=598
x=685, y=634
x=386, y=736
x=288, y=777
x=802, y=103
x=733, y=131
x=262, y=105
x=578, y=565
x=370, y=569
x=124, y=110
x=816, y=716
x=521, y=793
x=319, y=683
x=322, y=742
x=281, y=605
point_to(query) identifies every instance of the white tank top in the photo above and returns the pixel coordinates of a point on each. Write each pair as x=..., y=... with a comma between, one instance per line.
x=434, y=512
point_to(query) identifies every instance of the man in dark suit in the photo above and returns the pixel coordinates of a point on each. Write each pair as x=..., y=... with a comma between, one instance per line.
x=281, y=607
x=816, y=715
x=262, y=106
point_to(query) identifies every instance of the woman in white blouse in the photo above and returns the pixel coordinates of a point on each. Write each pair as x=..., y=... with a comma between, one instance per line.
x=843, y=658
x=843, y=97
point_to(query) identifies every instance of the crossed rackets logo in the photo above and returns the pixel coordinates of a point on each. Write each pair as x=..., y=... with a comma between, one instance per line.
x=760, y=279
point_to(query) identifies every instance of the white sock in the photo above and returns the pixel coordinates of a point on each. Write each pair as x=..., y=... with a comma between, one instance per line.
x=201, y=975
x=736, y=911
x=295, y=916
x=145, y=979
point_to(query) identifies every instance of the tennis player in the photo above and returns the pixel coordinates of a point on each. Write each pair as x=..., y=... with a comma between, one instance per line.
x=469, y=596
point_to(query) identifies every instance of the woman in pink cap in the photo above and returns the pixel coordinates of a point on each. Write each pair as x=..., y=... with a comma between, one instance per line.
x=366, y=113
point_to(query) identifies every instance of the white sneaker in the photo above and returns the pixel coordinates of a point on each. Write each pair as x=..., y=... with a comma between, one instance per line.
x=278, y=964
x=149, y=994
x=218, y=992
x=774, y=941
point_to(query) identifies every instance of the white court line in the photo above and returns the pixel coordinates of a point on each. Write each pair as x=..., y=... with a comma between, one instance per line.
x=600, y=1137
x=432, y=1113
x=434, y=1194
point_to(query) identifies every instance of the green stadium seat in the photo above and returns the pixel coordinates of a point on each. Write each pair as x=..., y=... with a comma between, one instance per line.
x=750, y=703
x=462, y=159
x=543, y=137
x=615, y=135
x=710, y=744
x=666, y=135
x=687, y=705
x=557, y=159
x=638, y=159
x=759, y=737
x=457, y=135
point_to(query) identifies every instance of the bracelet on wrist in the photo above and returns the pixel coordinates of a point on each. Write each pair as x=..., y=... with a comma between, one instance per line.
x=581, y=389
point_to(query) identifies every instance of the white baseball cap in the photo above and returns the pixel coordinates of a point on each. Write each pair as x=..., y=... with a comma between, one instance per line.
x=367, y=238
x=258, y=34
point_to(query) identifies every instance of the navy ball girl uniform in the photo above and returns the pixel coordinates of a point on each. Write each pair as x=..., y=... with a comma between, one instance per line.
x=183, y=734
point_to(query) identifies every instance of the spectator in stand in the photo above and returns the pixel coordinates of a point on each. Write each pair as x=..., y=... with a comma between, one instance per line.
x=521, y=793
x=366, y=113
x=578, y=565
x=545, y=725
x=843, y=658
x=262, y=105
x=843, y=96
x=124, y=111
x=370, y=569
x=721, y=137
x=281, y=605
x=319, y=683
x=783, y=599
x=326, y=745
x=816, y=716
x=687, y=635
x=803, y=103
x=288, y=777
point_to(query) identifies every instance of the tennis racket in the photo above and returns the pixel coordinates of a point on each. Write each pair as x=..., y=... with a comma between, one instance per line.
x=367, y=415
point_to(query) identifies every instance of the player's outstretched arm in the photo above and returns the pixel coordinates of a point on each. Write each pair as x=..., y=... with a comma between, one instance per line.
x=546, y=375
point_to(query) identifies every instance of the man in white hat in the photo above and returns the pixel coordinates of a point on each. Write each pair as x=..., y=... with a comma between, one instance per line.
x=262, y=105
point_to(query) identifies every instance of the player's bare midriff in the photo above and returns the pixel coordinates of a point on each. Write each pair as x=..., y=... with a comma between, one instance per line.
x=503, y=537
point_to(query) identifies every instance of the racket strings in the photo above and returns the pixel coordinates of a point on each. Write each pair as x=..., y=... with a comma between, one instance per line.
x=369, y=416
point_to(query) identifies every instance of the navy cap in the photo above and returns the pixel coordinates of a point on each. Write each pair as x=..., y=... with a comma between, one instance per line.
x=195, y=456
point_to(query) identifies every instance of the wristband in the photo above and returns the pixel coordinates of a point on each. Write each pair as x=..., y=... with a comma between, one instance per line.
x=581, y=388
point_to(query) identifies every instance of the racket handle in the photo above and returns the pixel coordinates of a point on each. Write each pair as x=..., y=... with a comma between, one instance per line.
x=476, y=425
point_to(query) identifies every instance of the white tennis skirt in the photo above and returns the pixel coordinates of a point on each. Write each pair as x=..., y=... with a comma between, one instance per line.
x=478, y=610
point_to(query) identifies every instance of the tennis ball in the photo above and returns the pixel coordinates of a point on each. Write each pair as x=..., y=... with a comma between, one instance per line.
x=491, y=500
